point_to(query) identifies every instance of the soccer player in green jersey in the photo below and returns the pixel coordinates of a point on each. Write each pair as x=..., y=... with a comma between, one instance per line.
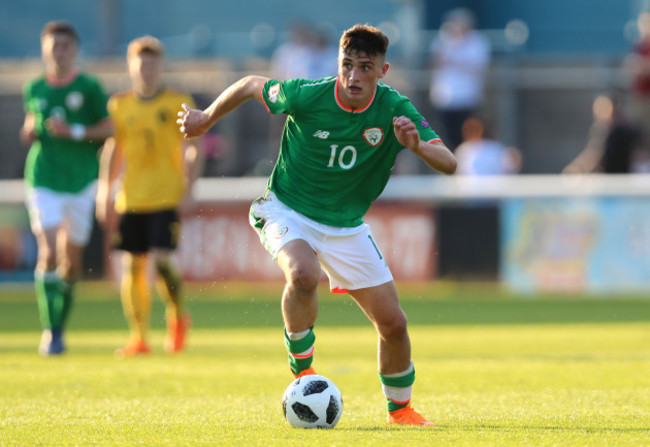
x=338, y=148
x=65, y=122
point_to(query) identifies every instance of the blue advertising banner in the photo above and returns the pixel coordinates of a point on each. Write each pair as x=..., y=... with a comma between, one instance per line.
x=584, y=245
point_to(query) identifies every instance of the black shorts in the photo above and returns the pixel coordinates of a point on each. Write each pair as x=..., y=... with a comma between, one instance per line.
x=140, y=232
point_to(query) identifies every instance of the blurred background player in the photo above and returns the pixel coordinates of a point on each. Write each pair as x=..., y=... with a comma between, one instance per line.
x=460, y=56
x=156, y=168
x=338, y=149
x=65, y=124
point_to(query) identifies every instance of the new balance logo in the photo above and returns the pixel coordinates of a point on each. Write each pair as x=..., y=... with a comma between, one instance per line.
x=322, y=134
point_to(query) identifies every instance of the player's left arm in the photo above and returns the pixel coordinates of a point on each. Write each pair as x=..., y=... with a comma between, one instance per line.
x=108, y=160
x=434, y=154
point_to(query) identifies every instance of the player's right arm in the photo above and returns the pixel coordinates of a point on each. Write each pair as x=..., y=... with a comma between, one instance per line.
x=194, y=123
x=27, y=133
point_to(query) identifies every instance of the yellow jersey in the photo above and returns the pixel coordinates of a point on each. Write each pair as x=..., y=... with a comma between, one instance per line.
x=150, y=146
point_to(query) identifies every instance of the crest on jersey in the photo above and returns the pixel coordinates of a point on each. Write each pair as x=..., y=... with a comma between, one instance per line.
x=74, y=101
x=373, y=136
x=274, y=91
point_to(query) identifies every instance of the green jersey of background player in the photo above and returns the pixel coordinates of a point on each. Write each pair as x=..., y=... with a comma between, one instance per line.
x=65, y=122
x=338, y=149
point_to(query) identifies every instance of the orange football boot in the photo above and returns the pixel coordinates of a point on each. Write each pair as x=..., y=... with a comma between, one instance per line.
x=133, y=348
x=407, y=416
x=176, y=333
x=305, y=372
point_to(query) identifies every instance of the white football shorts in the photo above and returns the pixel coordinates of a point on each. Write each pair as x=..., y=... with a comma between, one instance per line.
x=51, y=209
x=349, y=256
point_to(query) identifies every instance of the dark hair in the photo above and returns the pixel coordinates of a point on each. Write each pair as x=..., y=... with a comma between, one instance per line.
x=60, y=27
x=364, y=39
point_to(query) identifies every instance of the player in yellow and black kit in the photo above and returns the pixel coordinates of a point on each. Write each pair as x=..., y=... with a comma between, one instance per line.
x=156, y=169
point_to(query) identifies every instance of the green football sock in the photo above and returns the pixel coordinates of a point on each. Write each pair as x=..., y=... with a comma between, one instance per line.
x=397, y=388
x=51, y=303
x=68, y=300
x=301, y=352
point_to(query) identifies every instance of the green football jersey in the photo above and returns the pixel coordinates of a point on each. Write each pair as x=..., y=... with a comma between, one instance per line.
x=334, y=161
x=61, y=164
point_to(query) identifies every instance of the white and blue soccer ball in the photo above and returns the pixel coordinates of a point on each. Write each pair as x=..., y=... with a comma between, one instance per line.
x=312, y=402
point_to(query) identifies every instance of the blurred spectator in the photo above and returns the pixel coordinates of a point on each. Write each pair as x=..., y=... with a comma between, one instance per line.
x=322, y=56
x=459, y=56
x=614, y=143
x=291, y=59
x=308, y=54
x=638, y=64
x=481, y=155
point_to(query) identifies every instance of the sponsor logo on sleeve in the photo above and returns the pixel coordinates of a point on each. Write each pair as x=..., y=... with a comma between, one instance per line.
x=274, y=91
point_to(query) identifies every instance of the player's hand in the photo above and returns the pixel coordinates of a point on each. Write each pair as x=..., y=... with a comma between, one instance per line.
x=406, y=132
x=192, y=122
x=57, y=127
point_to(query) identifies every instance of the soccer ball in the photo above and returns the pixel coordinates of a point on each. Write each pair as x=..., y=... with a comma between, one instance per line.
x=312, y=401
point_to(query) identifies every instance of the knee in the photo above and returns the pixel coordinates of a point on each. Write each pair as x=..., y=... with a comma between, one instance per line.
x=303, y=278
x=162, y=265
x=70, y=271
x=46, y=258
x=394, y=327
x=133, y=265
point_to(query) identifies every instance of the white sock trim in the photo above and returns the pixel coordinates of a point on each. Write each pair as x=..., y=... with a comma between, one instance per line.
x=398, y=395
x=48, y=276
x=294, y=336
x=401, y=374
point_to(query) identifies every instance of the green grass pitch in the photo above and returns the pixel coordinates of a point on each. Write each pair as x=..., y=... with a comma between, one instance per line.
x=492, y=370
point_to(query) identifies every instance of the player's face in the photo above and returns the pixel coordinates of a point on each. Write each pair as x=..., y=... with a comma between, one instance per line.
x=145, y=70
x=59, y=52
x=359, y=75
